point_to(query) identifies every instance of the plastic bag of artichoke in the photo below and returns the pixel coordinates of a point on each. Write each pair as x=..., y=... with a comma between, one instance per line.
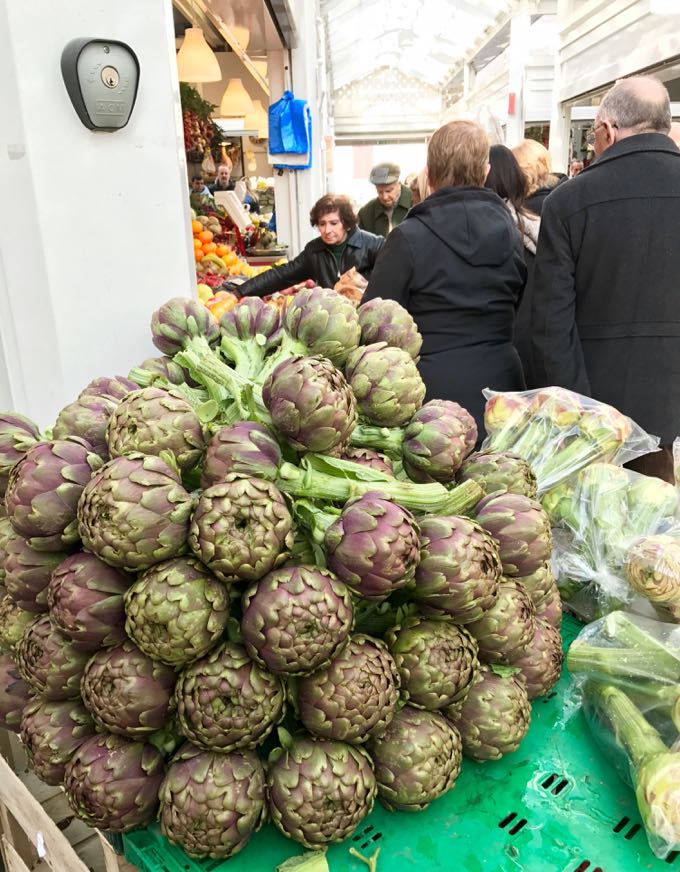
x=559, y=432
x=627, y=669
x=617, y=543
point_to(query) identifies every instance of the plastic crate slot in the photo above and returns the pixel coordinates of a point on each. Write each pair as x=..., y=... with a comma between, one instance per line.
x=558, y=788
x=506, y=820
x=376, y=836
x=517, y=827
x=362, y=833
x=549, y=696
x=672, y=856
x=632, y=831
x=549, y=781
x=621, y=824
x=597, y=869
x=582, y=866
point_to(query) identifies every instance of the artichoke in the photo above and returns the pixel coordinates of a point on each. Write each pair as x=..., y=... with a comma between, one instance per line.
x=521, y=528
x=495, y=716
x=114, y=387
x=324, y=323
x=310, y=403
x=85, y=598
x=386, y=321
x=87, y=418
x=6, y=535
x=386, y=383
x=373, y=546
x=296, y=619
x=225, y=702
x=416, y=760
x=151, y=420
x=319, y=790
x=211, y=804
x=15, y=694
x=135, y=513
x=437, y=661
x=354, y=698
x=28, y=573
x=176, y=611
x=13, y=622
x=242, y=528
x=48, y=662
x=437, y=440
x=506, y=629
x=247, y=448
x=368, y=457
x=249, y=332
x=17, y=435
x=459, y=571
x=541, y=664
x=179, y=321
x=653, y=569
x=51, y=732
x=165, y=369
x=539, y=584
x=549, y=609
x=499, y=471
x=44, y=489
x=112, y=782
x=126, y=692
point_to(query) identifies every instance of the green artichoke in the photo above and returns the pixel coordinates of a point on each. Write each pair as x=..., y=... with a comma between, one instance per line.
x=521, y=528
x=242, y=528
x=653, y=568
x=126, y=692
x=373, y=546
x=437, y=661
x=499, y=471
x=549, y=609
x=28, y=573
x=225, y=702
x=48, y=662
x=51, y=732
x=211, y=804
x=86, y=418
x=151, y=420
x=85, y=599
x=506, y=629
x=319, y=790
x=247, y=448
x=495, y=716
x=176, y=611
x=17, y=435
x=386, y=321
x=541, y=663
x=368, y=457
x=15, y=694
x=539, y=584
x=135, y=513
x=386, y=383
x=44, y=489
x=109, y=387
x=162, y=370
x=437, y=440
x=13, y=622
x=650, y=503
x=310, y=403
x=296, y=619
x=459, y=571
x=112, y=782
x=416, y=760
x=179, y=321
x=353, y=698
x=324, y=323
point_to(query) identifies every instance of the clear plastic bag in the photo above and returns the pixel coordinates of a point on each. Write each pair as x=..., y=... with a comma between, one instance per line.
x=559, y=432
x=627, y=670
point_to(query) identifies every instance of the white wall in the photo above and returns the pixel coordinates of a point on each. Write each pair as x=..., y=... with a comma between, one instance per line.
x=94, y=230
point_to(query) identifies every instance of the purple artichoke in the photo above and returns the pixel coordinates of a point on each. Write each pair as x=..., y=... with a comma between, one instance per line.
x=539, y=584
x=373, y=546
x=13, y=622
x=17, y=435
x=246, y=448
x=7, y=533
x=324, y=322
x=28, y=573
x=15, y=694
x=135, y=513
x=368, y=457
x=249, y=333
x=48, y=662
x=521, y=528
x=387, y=321
x=44, y=489
x=85, y=598
x=416, y=760
x=211, y=804
x=114, y=387
x=549, y=608
x=112, y=783
x=505, y=630
x=311, y=404
x=51, y=732
x=459, y=571
x=87, y=418
x=166, y=369
x=296, y=619
x=499, y=471
x=437, y=440
x=126, y=692
x=179, y=321
x=319, y=790
x=225, y=702
x=386, y=383
x=541, y=663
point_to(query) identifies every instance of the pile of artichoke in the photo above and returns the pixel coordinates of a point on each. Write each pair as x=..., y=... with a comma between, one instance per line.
x=262, y=579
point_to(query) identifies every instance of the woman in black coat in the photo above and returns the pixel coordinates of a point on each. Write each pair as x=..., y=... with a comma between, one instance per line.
x=456, y=264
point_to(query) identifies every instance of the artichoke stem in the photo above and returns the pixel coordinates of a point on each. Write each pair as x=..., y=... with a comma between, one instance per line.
x=620, y=628
x=389, y=440
x=371, y=862
x=631, y=729
x=618, y=662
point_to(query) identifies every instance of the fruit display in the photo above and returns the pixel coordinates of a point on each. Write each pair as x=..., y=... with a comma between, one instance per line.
x=197, y=125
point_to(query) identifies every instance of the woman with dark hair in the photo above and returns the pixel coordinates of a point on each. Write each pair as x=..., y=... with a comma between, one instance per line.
x=340, y=246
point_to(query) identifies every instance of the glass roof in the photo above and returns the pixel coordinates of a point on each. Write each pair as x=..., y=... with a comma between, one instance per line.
x=421, y=38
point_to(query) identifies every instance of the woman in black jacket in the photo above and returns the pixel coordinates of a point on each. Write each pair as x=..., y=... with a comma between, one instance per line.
x=340, y=246
x=456, y=264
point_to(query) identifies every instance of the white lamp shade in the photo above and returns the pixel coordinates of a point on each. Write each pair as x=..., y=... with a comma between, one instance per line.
x=235, y=101
x=196, y=61
x=242, y=34
x=258, y=120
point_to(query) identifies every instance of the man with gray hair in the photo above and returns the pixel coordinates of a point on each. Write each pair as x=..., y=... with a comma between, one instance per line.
x=605, y=314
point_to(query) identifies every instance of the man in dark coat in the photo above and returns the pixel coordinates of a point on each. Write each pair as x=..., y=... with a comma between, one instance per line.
x=606, y=305
x=456, y=264
x=391, y=206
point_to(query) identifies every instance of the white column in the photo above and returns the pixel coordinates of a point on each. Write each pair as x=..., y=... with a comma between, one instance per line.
x=517, y=55
x=94, y=227
x=560, y=116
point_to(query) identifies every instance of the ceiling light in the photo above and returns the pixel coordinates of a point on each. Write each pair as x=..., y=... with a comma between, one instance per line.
x=196, y=61
x=235, y=101
x=242, y=34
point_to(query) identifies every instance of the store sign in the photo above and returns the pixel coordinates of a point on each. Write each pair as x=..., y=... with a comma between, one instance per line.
x=664, y=7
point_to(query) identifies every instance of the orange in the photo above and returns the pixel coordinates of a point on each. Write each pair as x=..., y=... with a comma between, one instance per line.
x=222, y=249
x=197, y=243
x=205, y=236
x=199, y=254
x=209, y=247
x=196, y=226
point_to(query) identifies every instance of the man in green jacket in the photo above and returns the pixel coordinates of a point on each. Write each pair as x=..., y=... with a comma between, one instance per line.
x=390, y=207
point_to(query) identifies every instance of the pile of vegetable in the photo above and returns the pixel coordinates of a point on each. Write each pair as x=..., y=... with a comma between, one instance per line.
x=261, y=577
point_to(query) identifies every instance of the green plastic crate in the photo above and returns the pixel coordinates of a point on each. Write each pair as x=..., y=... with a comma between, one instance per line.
x=552, y=806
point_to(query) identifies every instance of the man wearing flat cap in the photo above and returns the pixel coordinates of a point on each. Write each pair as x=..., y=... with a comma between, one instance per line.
x=390, y=207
